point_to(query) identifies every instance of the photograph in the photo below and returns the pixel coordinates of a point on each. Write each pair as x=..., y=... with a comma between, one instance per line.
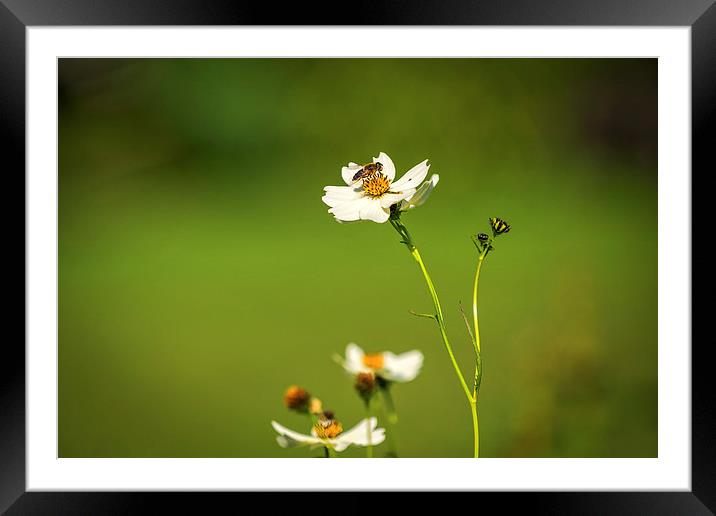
x=357, y=258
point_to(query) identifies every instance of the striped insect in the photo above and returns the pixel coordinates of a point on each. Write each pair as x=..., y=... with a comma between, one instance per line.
x=368, y=170
x=499, y=226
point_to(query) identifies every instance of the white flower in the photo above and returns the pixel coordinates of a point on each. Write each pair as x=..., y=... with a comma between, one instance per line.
x=386, y=365
x=421, y=194
x=371, y=190
x=329, y=432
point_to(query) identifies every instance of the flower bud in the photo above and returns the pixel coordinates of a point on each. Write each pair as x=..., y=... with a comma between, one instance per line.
x=365, y=384
x=296, y=398
x=315, y=406
x=482, y=237
x=499, y=226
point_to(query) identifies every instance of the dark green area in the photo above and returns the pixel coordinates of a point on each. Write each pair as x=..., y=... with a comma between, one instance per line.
x=200, y=275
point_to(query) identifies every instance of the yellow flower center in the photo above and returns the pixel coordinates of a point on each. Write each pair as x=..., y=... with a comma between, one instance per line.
x=376, y=184
x=374, y=361
x=327, y=428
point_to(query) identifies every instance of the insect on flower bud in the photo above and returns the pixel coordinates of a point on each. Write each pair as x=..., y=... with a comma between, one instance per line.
x=365, y=384
x=499, y=226
x=296, y=398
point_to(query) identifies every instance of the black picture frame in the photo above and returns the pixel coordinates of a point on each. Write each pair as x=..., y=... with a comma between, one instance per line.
x=17, y=15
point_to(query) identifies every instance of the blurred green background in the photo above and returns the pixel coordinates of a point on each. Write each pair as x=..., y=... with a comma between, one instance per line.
x=200, y=274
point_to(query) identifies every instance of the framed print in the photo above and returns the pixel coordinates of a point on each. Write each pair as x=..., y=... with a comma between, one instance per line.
x=254, y=239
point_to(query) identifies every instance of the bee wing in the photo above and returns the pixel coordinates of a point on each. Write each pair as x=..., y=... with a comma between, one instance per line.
x=349, y=171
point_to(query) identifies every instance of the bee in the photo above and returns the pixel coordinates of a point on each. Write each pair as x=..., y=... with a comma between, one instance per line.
x=368, y=170
x=499, y=226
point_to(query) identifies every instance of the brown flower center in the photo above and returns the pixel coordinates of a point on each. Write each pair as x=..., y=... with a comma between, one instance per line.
x=365, y=383
x=374, y=361
x=376, y=184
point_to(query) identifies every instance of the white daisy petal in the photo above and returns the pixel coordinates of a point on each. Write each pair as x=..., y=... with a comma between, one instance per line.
x=358, y=435
x=336, y=195
x=377, y=437
x=339, y=445
x=332, y=201
x=288, y=438
x=344, y=192
x=402, y=368
x=421, y=194
x=350, y=210
x=344, y=214
x=349, y=171
x=412, y=178
x=374, y=211
x=354, y=359
x=287, y=442
x=388, y=166
x=388, y=199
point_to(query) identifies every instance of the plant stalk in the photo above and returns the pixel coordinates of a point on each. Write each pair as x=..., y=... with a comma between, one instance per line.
x=408, y=241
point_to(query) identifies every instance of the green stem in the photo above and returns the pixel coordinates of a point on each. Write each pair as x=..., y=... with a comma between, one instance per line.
x=408, y=241
x=388, y=409
x=330, y=454
x=369, y=448
x=475, y=428
x=478, y=349
x=440, y=320
x=389, y=405
x=480, y=261
x=476, y=337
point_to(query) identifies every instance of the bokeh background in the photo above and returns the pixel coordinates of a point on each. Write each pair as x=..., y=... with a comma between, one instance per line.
x=200, y=275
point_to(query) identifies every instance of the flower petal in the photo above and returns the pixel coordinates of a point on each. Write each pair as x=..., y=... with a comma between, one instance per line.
x=412, y=178
x=350, y=210
x=402, y=368
x=358, y=435
x=374, y=211
x=336, y=195
x=421, y=194
x=339, y=445
x=388, y=166
x=349, y=171
x=290, y=439
x=388, y=199
x=354, y=359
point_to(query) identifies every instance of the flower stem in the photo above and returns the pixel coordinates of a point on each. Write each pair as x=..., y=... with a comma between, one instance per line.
x=475, y=428
x=369, y=448
x=329, y=452
x=478, y=349
x=480, y=260
x=389, y=405
x=408, y=241
x=388, y=408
